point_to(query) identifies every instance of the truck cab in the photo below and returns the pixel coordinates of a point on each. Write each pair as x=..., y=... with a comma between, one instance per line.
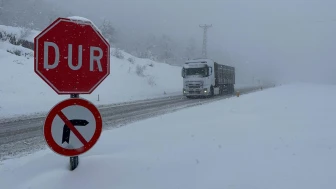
x=198, y=78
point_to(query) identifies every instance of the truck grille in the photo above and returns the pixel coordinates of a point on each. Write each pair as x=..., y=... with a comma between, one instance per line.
x=194, y=85
x=194, y=92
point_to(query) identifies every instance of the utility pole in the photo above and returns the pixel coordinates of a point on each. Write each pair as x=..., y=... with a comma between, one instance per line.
x=204, y=48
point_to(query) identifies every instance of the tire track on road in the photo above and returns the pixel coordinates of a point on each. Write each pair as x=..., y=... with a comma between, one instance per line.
x=26, y=136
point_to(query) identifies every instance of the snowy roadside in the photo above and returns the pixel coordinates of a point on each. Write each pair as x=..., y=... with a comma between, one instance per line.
x=237, y=145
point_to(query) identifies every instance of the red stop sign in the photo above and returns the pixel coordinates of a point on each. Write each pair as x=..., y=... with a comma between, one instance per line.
x=71, y=56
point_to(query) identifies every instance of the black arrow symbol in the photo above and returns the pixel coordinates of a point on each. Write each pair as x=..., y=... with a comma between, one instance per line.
x=66, y=129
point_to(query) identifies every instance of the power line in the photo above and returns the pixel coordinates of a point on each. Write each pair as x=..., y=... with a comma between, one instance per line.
x=204, y=48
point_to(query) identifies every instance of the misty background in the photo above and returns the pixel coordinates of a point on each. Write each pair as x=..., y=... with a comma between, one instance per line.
x=268, y=40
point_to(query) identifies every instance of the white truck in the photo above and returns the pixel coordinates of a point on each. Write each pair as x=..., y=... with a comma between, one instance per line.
x=204, y=77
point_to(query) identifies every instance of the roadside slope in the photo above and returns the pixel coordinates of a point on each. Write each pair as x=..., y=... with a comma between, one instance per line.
x=131, y=78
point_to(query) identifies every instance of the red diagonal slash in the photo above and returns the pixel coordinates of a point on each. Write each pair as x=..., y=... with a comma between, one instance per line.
x=72, y=128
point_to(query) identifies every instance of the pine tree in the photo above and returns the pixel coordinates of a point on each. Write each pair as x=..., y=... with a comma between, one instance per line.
x=108, y=31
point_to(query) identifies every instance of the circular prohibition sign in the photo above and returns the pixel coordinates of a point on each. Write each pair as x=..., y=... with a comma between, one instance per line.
x=63, y=119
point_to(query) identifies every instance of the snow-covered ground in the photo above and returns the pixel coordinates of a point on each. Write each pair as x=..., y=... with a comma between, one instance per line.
x=277, y=138
x=23, y=92
x=19, y=33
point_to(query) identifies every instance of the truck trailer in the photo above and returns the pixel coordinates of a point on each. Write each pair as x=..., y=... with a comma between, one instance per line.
x=204, y=77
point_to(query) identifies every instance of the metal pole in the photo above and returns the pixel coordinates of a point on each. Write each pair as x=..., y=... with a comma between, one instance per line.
x=74, y=161
x=205, y=36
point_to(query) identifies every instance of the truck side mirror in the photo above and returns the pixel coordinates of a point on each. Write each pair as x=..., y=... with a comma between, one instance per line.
x=183, y=72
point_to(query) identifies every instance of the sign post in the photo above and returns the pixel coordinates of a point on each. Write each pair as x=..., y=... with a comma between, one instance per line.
x=72, y=57
x=74, y=161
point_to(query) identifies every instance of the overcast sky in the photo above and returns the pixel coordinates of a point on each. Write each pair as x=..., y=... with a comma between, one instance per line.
x=293, y=39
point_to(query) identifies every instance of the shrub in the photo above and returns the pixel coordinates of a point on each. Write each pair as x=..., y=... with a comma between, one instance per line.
x=140, y=70
x=117, y=53
x=151, y=81
x=131, y=60
x=16, y=52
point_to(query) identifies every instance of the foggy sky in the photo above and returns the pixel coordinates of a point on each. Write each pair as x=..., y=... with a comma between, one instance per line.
x=286, y=40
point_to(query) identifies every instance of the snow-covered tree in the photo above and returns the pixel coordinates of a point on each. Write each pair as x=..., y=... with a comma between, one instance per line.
x=108, y=32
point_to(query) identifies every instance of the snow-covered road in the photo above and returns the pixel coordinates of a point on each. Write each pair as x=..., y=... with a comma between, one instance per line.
x=278, y=138
x=26, y=135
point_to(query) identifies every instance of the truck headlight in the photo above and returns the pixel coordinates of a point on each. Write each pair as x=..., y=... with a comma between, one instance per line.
x=205, y=90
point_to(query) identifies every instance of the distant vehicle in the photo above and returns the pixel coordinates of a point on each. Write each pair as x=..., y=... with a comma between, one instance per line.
x=204, y=77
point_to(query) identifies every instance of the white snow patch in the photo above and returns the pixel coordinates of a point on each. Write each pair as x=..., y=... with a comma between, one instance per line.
x=23, y=92
x=28, y=53
x=277, y=138
x=82, y=19
x=79, y=18
x=19, y=32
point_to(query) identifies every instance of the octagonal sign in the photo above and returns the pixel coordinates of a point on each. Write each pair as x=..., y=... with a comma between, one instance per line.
x=72, y=56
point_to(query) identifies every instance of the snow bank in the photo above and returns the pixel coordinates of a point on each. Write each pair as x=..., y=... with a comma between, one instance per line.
x=277, y=138
x=19, y=32
x=82, y=19
x=23, y=92
x=131, y=78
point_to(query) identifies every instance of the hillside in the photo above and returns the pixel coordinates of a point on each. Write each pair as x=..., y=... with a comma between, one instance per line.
x=23, y=92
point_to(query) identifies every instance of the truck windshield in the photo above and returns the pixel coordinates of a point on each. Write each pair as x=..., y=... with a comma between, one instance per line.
x=197, y=71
